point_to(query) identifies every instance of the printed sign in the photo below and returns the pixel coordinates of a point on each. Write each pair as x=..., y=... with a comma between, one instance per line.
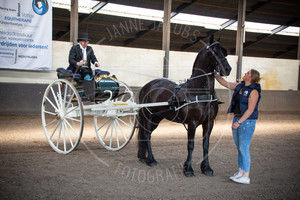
x=26, y=34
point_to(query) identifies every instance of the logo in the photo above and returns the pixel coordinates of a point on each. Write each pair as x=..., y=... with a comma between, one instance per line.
x=246, y=93
x=40, y=7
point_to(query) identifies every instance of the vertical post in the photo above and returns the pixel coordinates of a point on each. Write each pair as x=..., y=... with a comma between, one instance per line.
x=74, y=22
x=166, y=36
x=240, y=36
x=298, y=57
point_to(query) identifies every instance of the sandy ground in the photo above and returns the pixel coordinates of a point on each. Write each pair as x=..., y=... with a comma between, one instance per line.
x=30, y=169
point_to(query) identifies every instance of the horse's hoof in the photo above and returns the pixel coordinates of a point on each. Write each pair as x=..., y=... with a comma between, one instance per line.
x=208, y=172
x=188, y=173
x=142, y=160
x=151, y=163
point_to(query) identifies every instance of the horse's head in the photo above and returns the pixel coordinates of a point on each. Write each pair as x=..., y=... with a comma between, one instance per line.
x=218, y=57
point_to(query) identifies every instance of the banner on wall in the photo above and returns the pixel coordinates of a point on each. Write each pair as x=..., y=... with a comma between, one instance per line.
x=26, y=34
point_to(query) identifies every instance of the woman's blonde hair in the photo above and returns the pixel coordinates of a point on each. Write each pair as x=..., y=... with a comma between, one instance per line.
x=255, y=76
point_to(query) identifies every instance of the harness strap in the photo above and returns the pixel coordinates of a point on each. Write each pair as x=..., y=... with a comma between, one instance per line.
x=201, y=98
x=198, y=99
x=172, y=98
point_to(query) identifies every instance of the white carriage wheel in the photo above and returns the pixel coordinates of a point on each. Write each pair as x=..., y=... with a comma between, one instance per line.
x=62, y=116
x=115, y=128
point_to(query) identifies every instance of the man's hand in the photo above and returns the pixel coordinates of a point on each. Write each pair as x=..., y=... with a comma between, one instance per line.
x=80, y=63
x=97, y=64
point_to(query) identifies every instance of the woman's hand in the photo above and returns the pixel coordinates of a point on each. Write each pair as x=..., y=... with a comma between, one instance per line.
x=235, y=125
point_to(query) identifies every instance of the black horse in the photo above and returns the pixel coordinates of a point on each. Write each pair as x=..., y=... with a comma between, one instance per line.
x=192, y=103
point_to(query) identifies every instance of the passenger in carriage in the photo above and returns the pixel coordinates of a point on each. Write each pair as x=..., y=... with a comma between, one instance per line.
x=81, y=56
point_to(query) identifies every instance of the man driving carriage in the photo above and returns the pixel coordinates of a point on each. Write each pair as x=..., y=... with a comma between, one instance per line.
x=81, y=56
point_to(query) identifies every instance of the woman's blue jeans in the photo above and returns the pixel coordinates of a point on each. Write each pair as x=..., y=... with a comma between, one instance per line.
x=242, y=138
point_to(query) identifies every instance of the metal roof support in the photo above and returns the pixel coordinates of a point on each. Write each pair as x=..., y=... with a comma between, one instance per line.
x=225, y=25
x=156, y=24
x=289, y=48
x=240, y=36
x=274, y=31
x=95, y=9
x=74, y=16
x=74, y=22
x=166, y=36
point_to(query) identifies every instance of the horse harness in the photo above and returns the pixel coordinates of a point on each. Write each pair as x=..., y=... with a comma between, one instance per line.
x=203, y=98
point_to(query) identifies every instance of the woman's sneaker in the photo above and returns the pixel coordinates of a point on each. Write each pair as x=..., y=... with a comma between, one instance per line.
x=236, y=175
x=242, y=179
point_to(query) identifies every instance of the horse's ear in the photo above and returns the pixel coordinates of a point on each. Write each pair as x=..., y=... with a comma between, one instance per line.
x=211, y=40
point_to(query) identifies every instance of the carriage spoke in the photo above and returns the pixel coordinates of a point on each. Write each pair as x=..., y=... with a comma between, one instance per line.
x=71, y=142
x=58, y=135
x=125, y=123
x=118, y=143
x=121, y=130
x=64, y=137
x=60, y=95
x=107, y=129
x=51, y=122
x=70, y=100
x=55, y=97
x=50, y=113
x=65, y=93
x=58, y=123
x=111, y=134
x=71, y=128
x=56, y=109
x=103, y=125
x=69, y=111
x=73, y=119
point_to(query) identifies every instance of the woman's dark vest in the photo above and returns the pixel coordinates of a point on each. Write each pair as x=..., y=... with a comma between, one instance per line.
x=246, y=91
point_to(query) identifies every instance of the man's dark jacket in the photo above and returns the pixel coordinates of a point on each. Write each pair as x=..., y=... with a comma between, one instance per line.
x=76, y=55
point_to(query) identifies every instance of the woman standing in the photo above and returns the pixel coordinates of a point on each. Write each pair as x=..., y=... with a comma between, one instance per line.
x=244, y=105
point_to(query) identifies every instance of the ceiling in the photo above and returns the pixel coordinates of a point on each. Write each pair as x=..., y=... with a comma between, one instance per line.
x=131, y=32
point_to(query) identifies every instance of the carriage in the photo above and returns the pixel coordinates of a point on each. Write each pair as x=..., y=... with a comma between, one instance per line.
x=65, y=104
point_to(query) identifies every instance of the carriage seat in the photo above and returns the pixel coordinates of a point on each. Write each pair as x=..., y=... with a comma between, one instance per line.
x=63, y=73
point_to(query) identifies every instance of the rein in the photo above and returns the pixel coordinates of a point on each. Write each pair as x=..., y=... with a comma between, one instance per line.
x=207, y=74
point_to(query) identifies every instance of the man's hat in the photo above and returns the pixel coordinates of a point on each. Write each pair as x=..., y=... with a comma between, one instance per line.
x=83, y=37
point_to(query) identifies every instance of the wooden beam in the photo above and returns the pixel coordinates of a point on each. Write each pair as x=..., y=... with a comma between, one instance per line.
x=74, y=22
x=298, y=57
x=240, y=36
x=166, y=36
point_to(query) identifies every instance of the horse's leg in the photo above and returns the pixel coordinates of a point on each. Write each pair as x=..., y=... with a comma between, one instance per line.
x=147, y=126
x=207, y=128
x=150, y=159
x=142, y=142
x=187, y=167
x=144, y=138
